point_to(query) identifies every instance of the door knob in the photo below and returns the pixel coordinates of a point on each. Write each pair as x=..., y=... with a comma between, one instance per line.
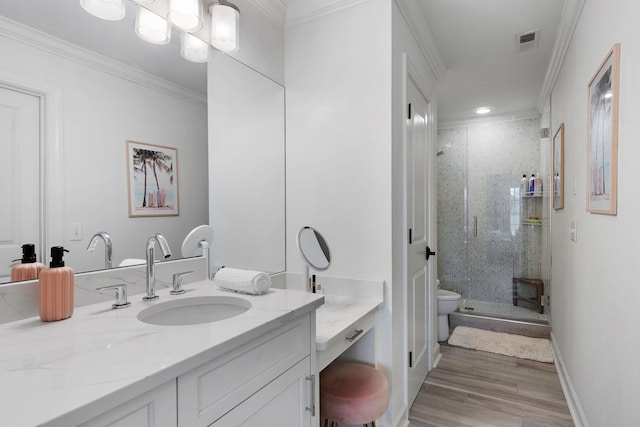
x=429, y=252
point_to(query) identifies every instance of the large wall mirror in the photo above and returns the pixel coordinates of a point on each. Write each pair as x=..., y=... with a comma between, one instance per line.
x=246, y=158
x=97, y=104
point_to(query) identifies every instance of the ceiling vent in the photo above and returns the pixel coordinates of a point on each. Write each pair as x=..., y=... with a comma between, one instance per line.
x=527, y=41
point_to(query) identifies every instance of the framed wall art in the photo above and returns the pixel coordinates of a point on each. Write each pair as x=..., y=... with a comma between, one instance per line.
x=602, y=134
x=152, y=180
x=558, y=168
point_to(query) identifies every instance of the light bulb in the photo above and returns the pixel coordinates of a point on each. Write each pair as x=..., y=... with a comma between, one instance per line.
x=224, y=26
x=185, y=14
x=193, y=49
x=111, y=10
x=152, y=28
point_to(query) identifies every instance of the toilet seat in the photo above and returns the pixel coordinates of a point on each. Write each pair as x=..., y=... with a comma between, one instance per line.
x=445, y=295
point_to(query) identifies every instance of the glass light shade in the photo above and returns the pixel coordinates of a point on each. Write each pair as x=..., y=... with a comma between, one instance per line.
x=111, y=10
x=193, y=49
x=224, y=26
x=152, y=28
x=185, y=14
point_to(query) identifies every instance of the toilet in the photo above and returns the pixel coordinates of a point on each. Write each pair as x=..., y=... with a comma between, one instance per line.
x=447, y=303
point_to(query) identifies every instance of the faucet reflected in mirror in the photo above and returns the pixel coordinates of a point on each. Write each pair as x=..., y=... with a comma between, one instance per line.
x=108, y=247
x=151, y=273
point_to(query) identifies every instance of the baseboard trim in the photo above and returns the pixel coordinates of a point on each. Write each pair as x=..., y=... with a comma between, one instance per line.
x=570, y=394
x=402, y=417
x=436, y=355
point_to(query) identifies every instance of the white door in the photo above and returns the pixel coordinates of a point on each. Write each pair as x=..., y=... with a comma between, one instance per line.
x=19, y=175
x=417, y=152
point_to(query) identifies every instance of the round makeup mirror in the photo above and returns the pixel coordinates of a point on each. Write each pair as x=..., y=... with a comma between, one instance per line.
x=314, y=250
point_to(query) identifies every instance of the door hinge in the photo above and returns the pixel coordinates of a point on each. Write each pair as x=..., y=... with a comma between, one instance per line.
x=410, y=236
x=409, y=111
x=411, y=359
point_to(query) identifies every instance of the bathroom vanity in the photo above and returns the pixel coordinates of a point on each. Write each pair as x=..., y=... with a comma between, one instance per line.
x=105, y=366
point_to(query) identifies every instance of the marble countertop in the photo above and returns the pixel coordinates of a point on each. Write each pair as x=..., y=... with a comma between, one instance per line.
x=63, y=371
x=338, y=314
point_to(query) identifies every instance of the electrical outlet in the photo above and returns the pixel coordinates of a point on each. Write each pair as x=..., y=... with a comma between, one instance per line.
x=75, y=231
x=573, y=231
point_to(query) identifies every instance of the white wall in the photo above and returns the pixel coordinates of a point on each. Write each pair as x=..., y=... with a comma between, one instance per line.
x=338, y=80
x=595, y=280
x=261, y=41
x=99, y=112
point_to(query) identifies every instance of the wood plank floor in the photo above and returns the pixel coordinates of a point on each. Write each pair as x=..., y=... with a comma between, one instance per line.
x=477, y=389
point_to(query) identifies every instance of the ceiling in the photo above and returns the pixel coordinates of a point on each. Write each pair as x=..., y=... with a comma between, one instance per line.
x=475, y=42
x=472, y=42
x=67, y=20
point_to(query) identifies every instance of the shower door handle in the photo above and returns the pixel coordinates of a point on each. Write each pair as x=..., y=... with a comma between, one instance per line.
x=475, y=226
x=429, y=252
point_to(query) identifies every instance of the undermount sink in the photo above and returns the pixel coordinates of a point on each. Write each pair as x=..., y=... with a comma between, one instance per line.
x=194, y=310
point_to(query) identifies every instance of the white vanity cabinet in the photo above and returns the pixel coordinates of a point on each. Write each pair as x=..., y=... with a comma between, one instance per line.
x=155, y=408
x=264, y=381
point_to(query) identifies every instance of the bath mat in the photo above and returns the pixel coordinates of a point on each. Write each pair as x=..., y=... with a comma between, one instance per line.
x=498, y=342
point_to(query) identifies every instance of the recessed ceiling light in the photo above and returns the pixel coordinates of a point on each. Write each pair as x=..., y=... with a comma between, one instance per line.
x=482, y=110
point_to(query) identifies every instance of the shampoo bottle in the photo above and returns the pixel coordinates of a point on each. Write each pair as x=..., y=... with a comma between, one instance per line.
x=524, y=185
x=537, y=185
x=532, y=184
x=56, y=288
x=28, y=269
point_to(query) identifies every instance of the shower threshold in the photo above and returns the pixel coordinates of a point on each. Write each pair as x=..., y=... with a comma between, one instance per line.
x=503, y=311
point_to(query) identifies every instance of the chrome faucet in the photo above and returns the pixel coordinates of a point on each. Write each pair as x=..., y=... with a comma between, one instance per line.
x=151, y=273
x=108, y=247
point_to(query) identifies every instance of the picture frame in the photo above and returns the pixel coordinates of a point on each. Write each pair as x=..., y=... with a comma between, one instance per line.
x=152, y=180
x=558, y=168
x=602, y=135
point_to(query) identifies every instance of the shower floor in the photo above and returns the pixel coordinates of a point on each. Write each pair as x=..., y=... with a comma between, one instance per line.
x=502, y=310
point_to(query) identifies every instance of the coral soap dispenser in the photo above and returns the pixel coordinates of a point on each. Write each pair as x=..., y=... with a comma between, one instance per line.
x=56, y=288
x=28, y=269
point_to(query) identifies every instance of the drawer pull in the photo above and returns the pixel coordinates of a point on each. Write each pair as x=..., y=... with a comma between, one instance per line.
x=355, y=334
x=312, y=407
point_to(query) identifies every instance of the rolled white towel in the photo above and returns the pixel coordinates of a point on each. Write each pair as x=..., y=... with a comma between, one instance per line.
x=243, y=281
x=132, y=261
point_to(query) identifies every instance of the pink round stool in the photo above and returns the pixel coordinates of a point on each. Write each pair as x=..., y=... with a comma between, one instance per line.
x=353, y=393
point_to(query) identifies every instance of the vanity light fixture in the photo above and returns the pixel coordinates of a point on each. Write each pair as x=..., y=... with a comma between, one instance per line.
x=185, y=14
x=225, y=19
x=193, y=49
x=482, y=110
x=151, y=27
x=111, y=10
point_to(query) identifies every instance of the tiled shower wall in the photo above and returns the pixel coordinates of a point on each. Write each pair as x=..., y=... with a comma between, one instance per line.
x=479, y=172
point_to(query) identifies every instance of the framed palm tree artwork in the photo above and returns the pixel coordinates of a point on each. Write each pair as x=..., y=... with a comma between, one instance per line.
x=152, y=179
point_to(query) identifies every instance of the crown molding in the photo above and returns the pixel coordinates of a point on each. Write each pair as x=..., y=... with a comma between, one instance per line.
x=276, y=10
x=413, y=15
x=29, y=36
x=507, y=117
x=568, y=22
x=301, y=11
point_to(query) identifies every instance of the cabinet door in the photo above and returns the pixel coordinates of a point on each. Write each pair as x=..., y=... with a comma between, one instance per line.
x=156, y=408
x=209, y=391
x=285, y=401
